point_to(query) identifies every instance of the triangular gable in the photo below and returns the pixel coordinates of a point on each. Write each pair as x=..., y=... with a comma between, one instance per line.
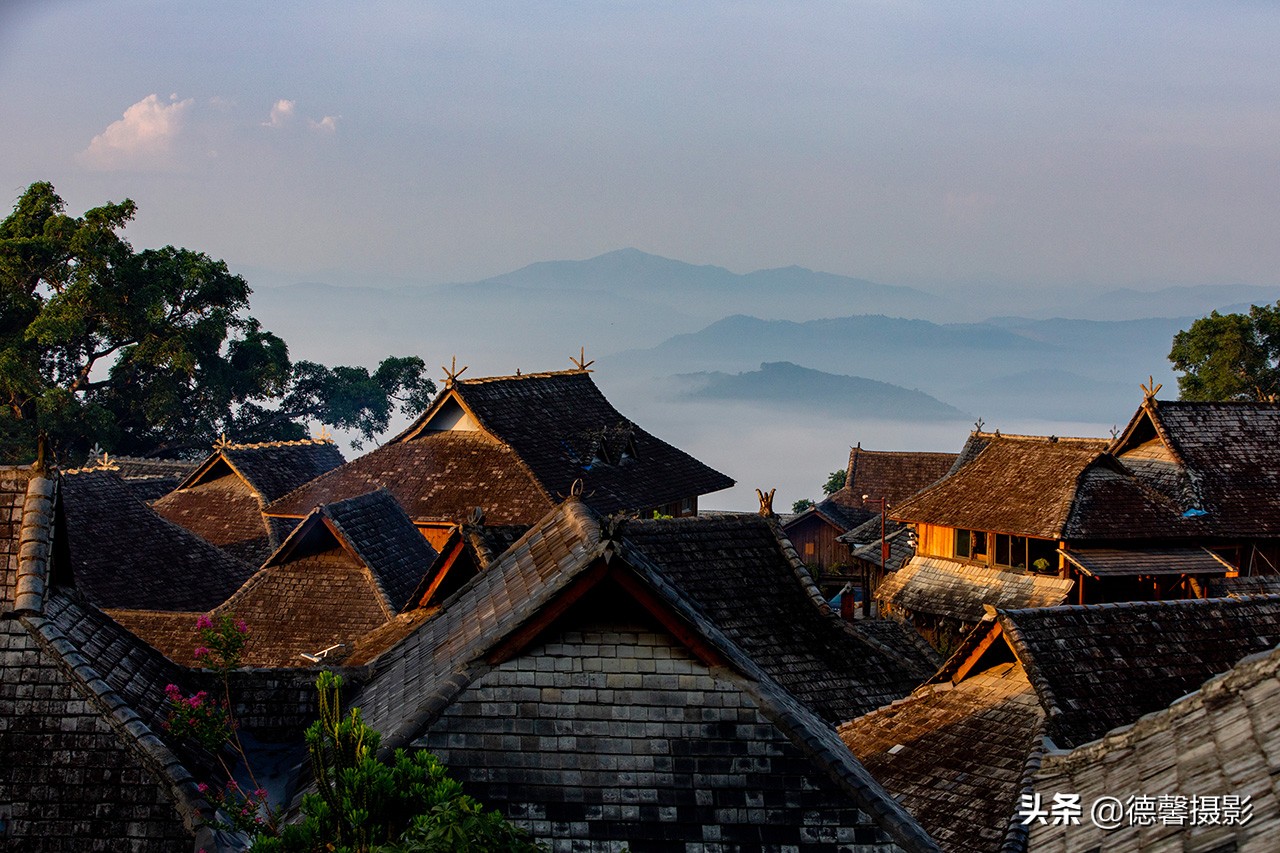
x=1146, y=437
x=214, y=467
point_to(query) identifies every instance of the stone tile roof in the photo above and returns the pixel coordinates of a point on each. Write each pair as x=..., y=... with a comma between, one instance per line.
x=947, y=588
x=346, y=570
x=143, y=468
x=1220, y=458
x=441, y=476
x=954, y=754
x=82, y=758
x=222, y=499
x=13, y=496
x=1111, y=503
x=124, y=555
x=1096, y=667
x=564, y=429
x=837, y=515
x=1241, y=586
x=755, y=589
x=865, y=543
x=891, y=474
x=1113, y=562
x=567, y=554
x=470, y=548
x=1222, y=739
x=1017, y=484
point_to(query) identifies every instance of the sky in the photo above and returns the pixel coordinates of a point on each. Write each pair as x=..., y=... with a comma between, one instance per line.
x=943, y=145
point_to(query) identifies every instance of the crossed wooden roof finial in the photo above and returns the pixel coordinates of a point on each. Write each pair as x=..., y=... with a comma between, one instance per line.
x=1151, y=389
x=222, y=443
x=452, y=372
x=324, y=435
x=977, y=425
x=581, y=361
x=766, y=501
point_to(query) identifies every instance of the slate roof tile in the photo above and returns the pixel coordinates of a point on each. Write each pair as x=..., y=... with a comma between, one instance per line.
x=947, y=588
x=954, y=755
x=891, y=474
x=124, y=555
x=1096, y=667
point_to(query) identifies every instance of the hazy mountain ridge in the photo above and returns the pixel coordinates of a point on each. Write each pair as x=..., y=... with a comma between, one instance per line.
x=809, y=390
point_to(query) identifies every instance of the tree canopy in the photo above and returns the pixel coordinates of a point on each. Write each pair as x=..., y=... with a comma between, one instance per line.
x=1230, y=356
x=153, y=352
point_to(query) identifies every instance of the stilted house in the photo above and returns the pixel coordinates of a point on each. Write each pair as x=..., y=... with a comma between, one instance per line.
x=516, y=445
x=651, y=683
x=223, y=498
x=1186, y=494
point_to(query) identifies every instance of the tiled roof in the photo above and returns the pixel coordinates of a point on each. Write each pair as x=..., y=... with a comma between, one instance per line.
x=417, y=680
x=1223, y=739
x=835, y=514
x=13, y=494
x=1112, y=504
x=346, y=570
x=441, y=476
x=1017, y=484
x=1240, y=586
x=954, y=754
x=1228, y=453
x=948, y=588
x=866, y=538
x=735, y=571
x=1111, y=562
x=223, y=511
x=222, y=499
x=891, y=474
x=143, y=468
x=1096, y=667
x=564, y=429
x=124, y=555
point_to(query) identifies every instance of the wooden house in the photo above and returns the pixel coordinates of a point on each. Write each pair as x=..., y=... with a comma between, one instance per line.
x=1186, y=494
x=871, y=475
x=516, y=445
x=223, y=498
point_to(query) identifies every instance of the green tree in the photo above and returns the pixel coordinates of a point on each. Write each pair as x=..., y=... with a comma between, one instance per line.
x=1230, y=356
x=801, y=505
x=835, y=482
x=153, y=352
x=362, y=804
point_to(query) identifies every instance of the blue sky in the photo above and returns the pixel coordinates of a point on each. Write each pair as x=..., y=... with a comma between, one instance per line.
x=934, y=144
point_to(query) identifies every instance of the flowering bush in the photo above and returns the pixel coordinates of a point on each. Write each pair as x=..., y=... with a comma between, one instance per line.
x=222, y=641
x=198, y=717
x=249, y=812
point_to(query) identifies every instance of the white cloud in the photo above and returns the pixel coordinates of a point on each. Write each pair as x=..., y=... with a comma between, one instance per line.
x=328, y=124
x=141, y=139
x=281, y=113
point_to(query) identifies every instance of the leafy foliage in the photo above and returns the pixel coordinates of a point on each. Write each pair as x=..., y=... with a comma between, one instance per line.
x=1230, y=356
x=363, y=804
x=835, y=482
x=153, y=352
x=801, y=505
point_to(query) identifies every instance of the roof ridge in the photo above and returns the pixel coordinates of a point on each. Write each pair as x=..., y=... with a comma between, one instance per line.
x=1048, y=439
x=321, y=440
x=477, y=380
x=35, y=539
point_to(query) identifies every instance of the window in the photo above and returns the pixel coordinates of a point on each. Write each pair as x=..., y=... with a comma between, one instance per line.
x=971, y=545
x=1042, y=556
x=1011, y=551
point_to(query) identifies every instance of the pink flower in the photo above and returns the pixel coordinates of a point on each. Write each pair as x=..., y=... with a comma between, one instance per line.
x=201, y=651
x=172, y=691
x=202, y=788
x=204, y=622
x=241, y=626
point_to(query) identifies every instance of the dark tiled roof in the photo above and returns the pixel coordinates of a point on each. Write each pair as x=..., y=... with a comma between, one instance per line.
x=377, y=529
x=150, y=489
x=891, y=474
x=1096, y=667
x=946, y=588
x=142, y=468
x=1111, y=503
x=954, y=754
x=13, y=493
x=224, y=512
x=564, y=429
x=835, y=514
x=1236, y=587
x=346, y=570
x=440, y=476
x=1017, y=484
x=274, y=469
x=1111, y=562
x=422, y=676
x=124, y=555
x=735, y=571
x=867, y=538
x=1230, y=453
x=1222, y=739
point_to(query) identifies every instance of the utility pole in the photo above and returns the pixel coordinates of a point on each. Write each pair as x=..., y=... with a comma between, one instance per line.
x=884, y=558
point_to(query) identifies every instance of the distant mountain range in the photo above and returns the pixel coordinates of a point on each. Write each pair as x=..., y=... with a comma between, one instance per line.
x=804, y=390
